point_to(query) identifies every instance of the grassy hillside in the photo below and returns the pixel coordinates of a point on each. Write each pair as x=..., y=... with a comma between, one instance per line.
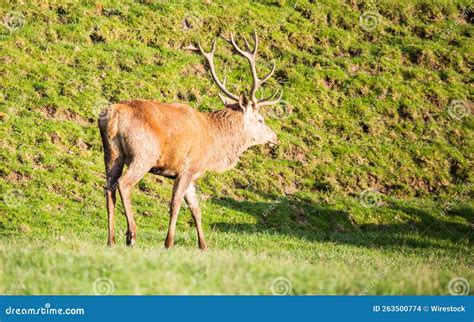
x=370, y=190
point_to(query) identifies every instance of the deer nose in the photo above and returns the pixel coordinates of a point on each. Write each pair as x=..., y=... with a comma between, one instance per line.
x=273, y=141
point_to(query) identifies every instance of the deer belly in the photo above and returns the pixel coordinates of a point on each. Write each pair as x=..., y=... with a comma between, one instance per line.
x=168, y=173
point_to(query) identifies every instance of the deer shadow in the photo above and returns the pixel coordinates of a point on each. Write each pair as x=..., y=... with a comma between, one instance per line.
x=305, y=220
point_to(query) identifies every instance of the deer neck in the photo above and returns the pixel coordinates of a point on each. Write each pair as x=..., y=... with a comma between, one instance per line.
x=228, y=139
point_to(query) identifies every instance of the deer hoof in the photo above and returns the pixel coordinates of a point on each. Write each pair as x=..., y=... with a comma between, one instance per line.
x=131, y=239
x=111, y=242
x=169, y=245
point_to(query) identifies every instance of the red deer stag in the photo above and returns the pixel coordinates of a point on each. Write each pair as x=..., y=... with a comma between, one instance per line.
x=178, y=142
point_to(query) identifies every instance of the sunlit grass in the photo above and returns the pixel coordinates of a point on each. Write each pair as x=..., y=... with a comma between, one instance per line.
x=366, y=110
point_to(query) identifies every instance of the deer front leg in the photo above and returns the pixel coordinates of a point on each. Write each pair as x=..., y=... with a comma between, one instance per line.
x=193, y=204
x=180, y=186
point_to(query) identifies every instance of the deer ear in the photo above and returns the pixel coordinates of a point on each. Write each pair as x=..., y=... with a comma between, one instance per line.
x=243, y=102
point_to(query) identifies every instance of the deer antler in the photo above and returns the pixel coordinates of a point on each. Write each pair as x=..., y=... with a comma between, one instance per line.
x=251, y=55
x=210, y=61
x=266, y=101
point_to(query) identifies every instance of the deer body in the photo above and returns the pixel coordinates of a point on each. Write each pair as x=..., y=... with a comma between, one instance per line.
x=174, y=137
x=175, y=141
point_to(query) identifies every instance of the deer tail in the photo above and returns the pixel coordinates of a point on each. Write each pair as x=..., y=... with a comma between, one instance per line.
x=108, y=126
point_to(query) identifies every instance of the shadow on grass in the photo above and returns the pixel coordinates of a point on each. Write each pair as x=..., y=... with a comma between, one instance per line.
x=312, y=222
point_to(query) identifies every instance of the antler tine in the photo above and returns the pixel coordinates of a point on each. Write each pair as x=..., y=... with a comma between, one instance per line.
x=213, y=46
x=226, y=39
x=240, y=51
x=191, y=47
x=210, y=60
x=223, y=98
x=250, y=55
x=209, y=54
x=256, y=42
x=269, y=97
x=246, y=43
x=200, y=49
x=263, y=80
x=265, y=101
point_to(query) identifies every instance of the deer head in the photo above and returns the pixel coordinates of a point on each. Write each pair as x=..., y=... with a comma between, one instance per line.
x=255, y=129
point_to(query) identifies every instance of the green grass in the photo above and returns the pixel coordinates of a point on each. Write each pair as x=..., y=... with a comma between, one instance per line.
x=366, y=110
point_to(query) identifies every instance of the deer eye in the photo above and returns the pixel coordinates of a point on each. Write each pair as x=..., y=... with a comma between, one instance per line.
x=261, y=120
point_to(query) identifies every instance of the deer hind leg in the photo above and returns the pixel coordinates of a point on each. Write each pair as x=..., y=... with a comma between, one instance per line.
x=135, y=172
x=114, y=169
x=179, y=189
x=193, y=204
